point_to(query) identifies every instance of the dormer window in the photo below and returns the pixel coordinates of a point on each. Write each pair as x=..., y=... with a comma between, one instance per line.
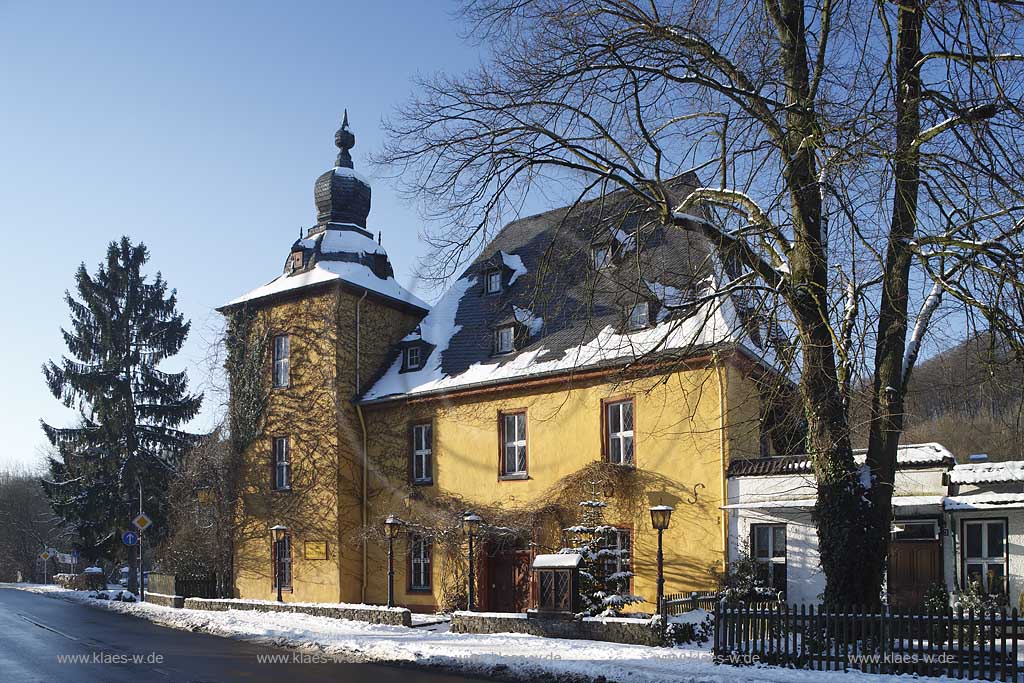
x=601, y=256
x=505, y=339
x=493, y=282
x=412, y=359
x=296, y=261
x=640, y=315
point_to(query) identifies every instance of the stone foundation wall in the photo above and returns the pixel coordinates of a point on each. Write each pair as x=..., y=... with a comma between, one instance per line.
x=393, y=616
x=611, y=630
x=81, y=582
x=165, y=600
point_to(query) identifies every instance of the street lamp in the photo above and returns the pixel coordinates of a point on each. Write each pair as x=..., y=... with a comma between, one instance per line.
x=661, y=515
x=279, y=533
x=470, y=524
x=392, y=525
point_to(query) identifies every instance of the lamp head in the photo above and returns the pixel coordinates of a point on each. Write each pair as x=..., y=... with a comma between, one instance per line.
x=661, y=515
x=278, y=532
x=471, y=522
x=392, y=525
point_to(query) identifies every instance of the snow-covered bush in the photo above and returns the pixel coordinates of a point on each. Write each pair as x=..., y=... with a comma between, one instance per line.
x=692, y=628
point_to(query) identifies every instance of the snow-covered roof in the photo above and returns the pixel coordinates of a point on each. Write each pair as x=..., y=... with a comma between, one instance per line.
x=807, y=503
x=557, y=561
x=352, y=273
x=985, y=501
x=908, y=456
x=988, y=472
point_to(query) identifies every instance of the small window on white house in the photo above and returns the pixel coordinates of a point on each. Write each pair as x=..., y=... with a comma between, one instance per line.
x=619, y=436
x=282, y=353
x=601, y=257
x=769, y=542
x=639, y=316
x=421, y=552
x=422, y=454
x=412, y=358
x=505, y=339
x=493, y=281
x=282, y=464
x=984, y=553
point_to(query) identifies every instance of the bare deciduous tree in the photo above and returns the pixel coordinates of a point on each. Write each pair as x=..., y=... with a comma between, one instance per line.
x=860, y=162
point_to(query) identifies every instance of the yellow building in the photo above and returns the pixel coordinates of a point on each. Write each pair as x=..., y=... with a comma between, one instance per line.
x=584, y=357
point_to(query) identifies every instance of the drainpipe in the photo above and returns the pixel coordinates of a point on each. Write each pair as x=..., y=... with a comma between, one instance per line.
x=362, y=426
x=720, y=372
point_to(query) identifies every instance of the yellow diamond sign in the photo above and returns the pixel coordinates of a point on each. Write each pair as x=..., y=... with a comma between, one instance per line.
x=44, y=555
x=142, y=521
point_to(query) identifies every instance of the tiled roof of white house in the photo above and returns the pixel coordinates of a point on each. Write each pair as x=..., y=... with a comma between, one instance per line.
x=807, y=503
x=988, y=472
x=985, y=501
x=908, y=456
x=569, y=315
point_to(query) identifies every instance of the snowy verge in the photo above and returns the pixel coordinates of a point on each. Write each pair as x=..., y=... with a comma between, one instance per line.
x=502, y=656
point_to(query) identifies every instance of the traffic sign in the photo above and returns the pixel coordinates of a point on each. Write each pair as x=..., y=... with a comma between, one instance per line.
x=45, y=555
x=130, y=538
x=142, y=521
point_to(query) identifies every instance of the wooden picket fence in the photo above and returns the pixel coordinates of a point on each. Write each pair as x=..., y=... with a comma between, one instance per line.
x=952, y=644
x=679, y=603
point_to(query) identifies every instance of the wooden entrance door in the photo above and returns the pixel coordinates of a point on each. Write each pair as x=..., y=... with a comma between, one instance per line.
x=508, y=580
x=913, y=567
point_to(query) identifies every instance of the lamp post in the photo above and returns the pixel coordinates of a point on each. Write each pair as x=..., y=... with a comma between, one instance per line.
x=391, y=527
x=279, y=533
x=661, y=515
x=470, y=524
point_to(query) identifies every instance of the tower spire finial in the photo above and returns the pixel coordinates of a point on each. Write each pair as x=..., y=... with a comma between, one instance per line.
x=344, y=140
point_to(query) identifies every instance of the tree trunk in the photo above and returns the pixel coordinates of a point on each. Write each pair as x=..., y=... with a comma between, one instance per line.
x=846, y=550
x=890, y=382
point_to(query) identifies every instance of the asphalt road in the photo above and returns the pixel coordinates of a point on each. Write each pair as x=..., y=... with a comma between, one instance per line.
x=38, y=635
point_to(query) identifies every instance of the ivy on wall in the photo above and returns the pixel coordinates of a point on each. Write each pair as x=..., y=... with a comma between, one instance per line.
x=245, y=362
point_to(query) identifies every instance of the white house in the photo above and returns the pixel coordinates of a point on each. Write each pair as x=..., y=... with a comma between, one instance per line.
x=948, y=521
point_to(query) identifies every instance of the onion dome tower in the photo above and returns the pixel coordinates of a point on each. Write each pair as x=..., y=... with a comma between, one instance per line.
x=342, y=196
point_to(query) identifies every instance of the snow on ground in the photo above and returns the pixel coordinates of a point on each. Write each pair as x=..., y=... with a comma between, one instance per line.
x=506, y=655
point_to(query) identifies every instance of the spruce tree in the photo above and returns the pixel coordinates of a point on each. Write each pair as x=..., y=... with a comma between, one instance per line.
x=602, y=592
x=122, y=326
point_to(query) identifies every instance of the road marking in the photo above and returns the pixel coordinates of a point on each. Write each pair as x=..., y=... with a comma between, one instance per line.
x=48, y=628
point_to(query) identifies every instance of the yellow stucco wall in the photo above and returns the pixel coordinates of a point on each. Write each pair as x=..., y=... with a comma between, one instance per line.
x=679, y=447
x=316, y=413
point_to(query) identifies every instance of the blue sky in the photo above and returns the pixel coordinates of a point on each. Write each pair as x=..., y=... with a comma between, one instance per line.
x=197, y=128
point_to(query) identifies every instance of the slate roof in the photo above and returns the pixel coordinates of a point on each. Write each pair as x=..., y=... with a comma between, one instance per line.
x=573, y=305
x=908, y=457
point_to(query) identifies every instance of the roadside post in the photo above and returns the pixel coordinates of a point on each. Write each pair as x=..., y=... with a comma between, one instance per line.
x=142, y=522
x=45, y=557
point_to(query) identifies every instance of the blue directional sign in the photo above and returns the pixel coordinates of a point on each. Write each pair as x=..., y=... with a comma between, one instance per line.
x=130, y=538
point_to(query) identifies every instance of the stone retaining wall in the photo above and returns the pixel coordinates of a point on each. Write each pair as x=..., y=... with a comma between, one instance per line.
x=393, y=616
x=611, y=630
x=165, y=600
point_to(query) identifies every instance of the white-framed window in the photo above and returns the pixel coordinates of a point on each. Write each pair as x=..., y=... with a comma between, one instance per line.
x=493, y=280
x=282, y=464
x=984, y=553
x=412, y=358
x=422, y=453
x=619, y=436
x=618, y=552
x=421, y=552
x=282, y=351
x=768, y=542
x=505, y=339
x=601, y=256
x=513, y=444
x=283, y=560
x=639, y=316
